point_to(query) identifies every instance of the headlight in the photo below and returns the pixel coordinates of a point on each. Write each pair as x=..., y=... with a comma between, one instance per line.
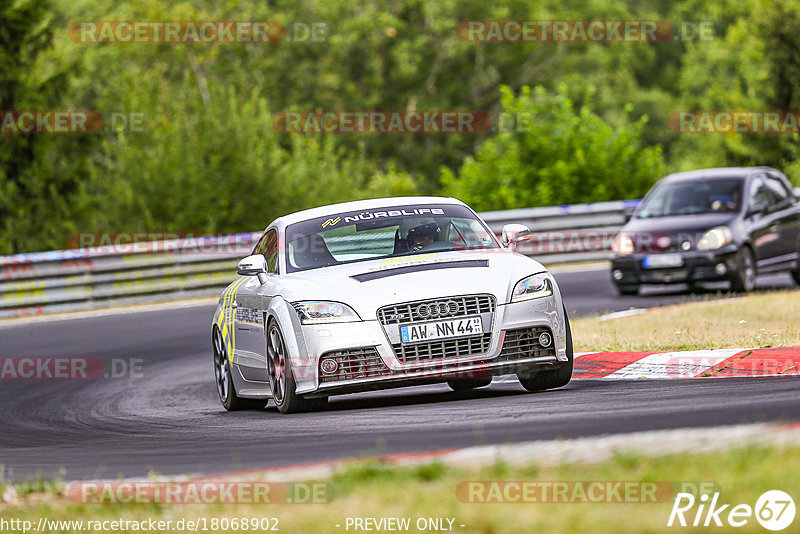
x=623, y=244
x=533, y=287
x=715, y=238
x=316, y=311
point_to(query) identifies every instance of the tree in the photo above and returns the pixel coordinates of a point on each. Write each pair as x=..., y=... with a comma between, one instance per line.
x=565, y=154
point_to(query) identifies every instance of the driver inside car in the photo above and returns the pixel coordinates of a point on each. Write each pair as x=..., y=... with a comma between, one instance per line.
x=422, y=234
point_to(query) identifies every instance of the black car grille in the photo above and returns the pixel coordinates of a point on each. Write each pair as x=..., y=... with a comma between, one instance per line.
x=524, y=343
x=354, y=364
x=422, y=353
x=456, y=307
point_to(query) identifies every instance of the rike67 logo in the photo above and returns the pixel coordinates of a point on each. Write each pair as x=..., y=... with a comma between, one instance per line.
x=774, y=510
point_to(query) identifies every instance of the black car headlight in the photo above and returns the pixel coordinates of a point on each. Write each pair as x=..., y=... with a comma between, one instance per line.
x=715, y=238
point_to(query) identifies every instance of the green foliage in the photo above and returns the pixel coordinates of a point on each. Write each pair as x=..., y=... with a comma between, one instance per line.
x=208, y=158
x=565, y=154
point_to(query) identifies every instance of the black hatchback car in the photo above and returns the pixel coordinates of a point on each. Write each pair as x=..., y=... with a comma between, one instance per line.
x=710, y=225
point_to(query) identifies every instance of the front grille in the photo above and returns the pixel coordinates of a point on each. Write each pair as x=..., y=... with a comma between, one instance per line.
x=421, y=353
x=456, y=307
x=524, y=343
x=354, y=364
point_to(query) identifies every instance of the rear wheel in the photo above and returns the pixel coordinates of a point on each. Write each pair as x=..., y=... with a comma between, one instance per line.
x=744, y=277
x=225, y=388
x=281, y=378
x=467, y=384
x=554, y=378
x=796, y=276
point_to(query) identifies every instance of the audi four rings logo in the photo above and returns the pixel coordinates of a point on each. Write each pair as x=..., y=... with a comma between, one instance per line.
x=437, y=309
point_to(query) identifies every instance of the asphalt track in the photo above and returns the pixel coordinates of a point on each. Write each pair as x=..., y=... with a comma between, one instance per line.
x=169, y=420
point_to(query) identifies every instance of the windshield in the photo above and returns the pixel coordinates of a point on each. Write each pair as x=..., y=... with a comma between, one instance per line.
x=382, y=233
x=718, y=195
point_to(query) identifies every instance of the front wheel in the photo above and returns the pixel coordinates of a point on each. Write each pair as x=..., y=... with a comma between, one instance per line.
x=555, y=378
x=744, y=277
x=281, y=378
x=225, y=388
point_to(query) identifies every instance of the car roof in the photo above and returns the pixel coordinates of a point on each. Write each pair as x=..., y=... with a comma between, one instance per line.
x=716, y=172
x=358, y=205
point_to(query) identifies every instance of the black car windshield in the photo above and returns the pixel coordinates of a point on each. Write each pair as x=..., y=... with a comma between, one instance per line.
x=382, y=233
x=716, y=195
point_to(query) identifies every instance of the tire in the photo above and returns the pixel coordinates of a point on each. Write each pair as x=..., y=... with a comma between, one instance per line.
x=225, y=388
x=281, y=378
x=743, y=280
x=796, y=276
x=554, y=378
x=631, y=289
x=468, y=384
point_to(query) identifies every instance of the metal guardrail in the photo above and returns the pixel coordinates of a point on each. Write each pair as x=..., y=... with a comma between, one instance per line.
x=79, y=279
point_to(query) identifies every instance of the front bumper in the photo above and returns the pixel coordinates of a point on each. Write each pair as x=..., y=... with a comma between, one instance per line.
x=512, y=346
x=698, y=266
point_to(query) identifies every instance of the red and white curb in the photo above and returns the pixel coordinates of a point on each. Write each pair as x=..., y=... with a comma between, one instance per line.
x=716, y=363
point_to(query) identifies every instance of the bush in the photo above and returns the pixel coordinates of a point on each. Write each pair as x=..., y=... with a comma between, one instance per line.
x=564, y=155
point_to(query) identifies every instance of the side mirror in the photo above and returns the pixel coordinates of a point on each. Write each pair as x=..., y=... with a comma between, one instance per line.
x=628, y=214
x=515, y=233
x=255, y=265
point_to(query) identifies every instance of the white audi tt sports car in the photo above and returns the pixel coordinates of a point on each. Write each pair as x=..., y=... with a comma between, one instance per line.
x=385, y=293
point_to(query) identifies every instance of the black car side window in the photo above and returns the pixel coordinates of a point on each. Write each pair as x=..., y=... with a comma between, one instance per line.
x=778, y=190
x=759, y=194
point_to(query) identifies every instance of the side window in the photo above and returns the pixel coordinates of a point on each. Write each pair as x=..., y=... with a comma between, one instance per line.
x=778, y=190
x=268, y=247
x=259, y=248
x=758, y=193
x=271, y=251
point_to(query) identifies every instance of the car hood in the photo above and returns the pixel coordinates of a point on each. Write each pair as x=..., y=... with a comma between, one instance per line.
x=680, y=223
x=411, y=278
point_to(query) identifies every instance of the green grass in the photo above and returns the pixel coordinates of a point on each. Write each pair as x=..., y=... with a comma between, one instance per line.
x=375, y=489
x=764, y=320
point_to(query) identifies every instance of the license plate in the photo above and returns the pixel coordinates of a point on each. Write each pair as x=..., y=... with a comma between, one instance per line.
x=662, y=261
x=417, y=333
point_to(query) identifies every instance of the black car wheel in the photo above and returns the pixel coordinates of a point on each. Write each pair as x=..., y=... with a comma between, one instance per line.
x=281, y=379
x=744, y=277
x=225, y=388
x=555, y=378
